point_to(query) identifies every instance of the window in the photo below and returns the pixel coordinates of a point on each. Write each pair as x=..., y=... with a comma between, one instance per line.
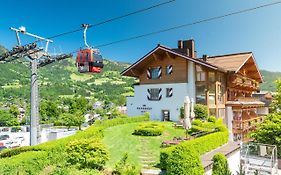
x=200, y=74
x=169, y=70
x=154, y=94
x=212, y=76
x=155, y=73
x=201, y=93
x=169, y=92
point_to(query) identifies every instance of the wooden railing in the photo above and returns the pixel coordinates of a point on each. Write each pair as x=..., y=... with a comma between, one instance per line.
x=240, y=126
x=238, y=81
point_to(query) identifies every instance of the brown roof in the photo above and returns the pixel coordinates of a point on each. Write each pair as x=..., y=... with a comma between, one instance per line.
x=231, y=62
x=145, y=59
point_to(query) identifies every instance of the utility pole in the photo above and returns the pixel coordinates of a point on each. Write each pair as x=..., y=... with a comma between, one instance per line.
x=37, y=58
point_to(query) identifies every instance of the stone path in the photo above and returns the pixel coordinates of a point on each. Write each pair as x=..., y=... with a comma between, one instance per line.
x=146, y=156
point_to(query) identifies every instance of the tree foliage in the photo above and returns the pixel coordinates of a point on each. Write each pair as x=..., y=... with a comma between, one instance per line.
x=7, y=119
x=269, y=132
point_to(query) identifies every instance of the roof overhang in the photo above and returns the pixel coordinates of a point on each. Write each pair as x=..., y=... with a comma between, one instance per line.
x=132, y=68
x=256, y=65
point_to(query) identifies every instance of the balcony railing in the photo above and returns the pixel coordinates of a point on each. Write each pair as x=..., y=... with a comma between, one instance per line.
x=241, y=126
x=238, y=81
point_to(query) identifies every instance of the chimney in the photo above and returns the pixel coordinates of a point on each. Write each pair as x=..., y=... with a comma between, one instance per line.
x=180, y=44
x=187, y=47
x=204, y=57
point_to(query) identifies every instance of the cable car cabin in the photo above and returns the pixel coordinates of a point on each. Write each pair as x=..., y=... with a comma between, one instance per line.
x=89, y=60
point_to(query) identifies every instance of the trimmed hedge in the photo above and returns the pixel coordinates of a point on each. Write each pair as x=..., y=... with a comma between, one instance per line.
x=200, y=145
x=149, y=129
x=95, y=131
x=184, y=161
x=33, y=159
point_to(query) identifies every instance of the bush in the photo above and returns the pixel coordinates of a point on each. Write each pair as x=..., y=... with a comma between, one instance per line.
x=201, y=111
x=184, y=161
x=220, y=166
x=212, y=119
x=197, y=122
x=33, y=159
x=123, y=168
x=87, y=153
x=149, y=129
x=200, y=145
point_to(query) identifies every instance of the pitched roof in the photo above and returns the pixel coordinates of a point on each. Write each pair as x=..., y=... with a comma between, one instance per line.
x=230, y=62
x=146, y=58
x=235, y=62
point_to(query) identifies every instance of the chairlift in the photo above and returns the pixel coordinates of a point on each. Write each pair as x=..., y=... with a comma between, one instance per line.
x=89, y=60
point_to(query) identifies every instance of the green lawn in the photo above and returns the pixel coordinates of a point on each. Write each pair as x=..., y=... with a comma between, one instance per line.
x=144, y=151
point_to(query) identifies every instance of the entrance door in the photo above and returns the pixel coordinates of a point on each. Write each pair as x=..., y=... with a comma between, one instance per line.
x=166, y=115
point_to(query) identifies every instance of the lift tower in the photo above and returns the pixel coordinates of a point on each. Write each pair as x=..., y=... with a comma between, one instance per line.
x=37, y=57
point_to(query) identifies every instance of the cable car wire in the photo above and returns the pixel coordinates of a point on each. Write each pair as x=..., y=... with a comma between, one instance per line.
x=113, y=19
x=188, y=24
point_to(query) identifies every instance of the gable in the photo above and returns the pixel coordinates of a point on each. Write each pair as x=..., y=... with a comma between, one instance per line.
x=250, y=69
x=159, y=53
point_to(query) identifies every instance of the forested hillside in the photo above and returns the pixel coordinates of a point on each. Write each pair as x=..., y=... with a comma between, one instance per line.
x=61, y=79
x=269, y=80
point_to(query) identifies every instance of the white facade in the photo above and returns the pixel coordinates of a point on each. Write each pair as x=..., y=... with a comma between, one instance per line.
x=139, y=104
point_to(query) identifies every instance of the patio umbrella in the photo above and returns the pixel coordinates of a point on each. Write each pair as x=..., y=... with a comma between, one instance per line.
x=186, y=121
x=192, y=114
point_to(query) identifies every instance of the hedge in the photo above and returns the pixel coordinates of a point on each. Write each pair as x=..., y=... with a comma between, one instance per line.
x=200, y=145
x=31, y=159
x=184, y=161
x=149, y=129
x=95, y=131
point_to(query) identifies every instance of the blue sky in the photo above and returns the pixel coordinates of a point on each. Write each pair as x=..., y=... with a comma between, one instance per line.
x=257, y=31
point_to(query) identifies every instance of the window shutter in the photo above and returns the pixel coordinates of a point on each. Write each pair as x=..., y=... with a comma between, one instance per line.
x=148, y=73
x=169, y=69
x=159, y=72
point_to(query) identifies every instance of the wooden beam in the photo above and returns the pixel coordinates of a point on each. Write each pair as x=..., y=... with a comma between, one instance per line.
x=170, y=55
x=156, y=56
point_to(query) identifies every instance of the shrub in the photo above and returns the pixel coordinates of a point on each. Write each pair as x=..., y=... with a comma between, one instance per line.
x=220, y=166
x=212, y=119
x=87, y=153
x=197, y=122
x=201, y=111
x=184, y=161
x=123, y=168
x=149, y=129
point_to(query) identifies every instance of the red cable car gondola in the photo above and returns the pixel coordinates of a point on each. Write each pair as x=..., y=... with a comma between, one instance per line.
x=89, y=60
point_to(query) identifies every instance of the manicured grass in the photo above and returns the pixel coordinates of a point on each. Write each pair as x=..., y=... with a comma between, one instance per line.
x=119, y=140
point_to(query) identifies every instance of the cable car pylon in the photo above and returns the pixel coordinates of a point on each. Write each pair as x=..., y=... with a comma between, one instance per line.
x=37, y=57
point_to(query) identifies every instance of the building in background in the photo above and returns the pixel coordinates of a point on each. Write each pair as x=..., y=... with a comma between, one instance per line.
x=224, y=83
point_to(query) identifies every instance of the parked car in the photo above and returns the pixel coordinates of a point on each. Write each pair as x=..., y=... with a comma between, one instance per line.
x=4, y=137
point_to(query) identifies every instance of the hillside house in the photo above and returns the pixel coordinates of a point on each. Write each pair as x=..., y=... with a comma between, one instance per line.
x=224, y=83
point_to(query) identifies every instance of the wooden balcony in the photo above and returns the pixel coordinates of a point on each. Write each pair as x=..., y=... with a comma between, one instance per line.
x=241, y=82
x=241, y=125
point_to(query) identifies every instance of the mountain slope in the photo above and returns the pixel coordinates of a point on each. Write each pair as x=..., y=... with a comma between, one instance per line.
x=269, y=80
x=61, y=79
